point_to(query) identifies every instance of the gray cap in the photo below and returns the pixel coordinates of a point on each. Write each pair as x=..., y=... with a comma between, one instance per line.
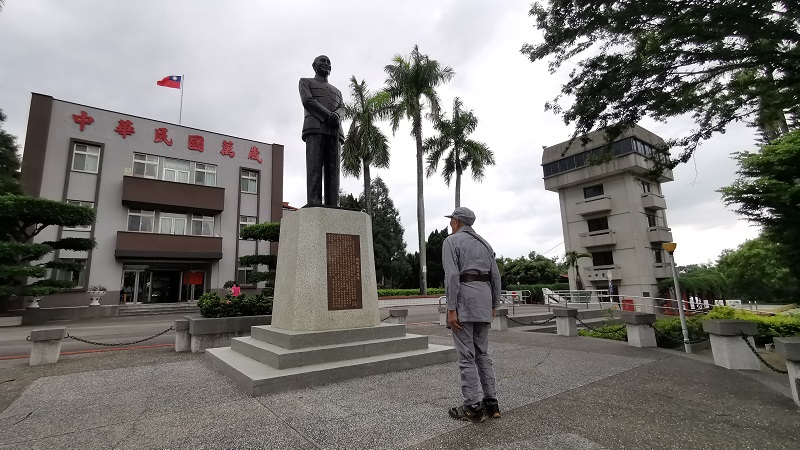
x=464, y=215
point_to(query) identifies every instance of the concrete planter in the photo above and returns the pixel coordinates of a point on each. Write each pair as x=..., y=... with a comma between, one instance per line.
x=33, y=302
x=217, y=332
x=12, y=321
x=95, y=296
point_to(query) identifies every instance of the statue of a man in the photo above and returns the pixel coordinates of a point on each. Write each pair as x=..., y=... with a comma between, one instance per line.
x=322, y=133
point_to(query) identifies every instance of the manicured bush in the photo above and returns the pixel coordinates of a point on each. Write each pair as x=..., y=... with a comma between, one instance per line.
x=614, y=332
x=212, y=305
x=782, y=325
x=669, y=333
x=407, y=292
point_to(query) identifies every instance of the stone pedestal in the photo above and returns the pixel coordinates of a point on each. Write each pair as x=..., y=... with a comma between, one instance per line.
x=183, y=340
x=46, y=345
x=325, y=319
x=729, y=349
x=640, y=333
x=565, y=321
x=500, y=321
x=397, y=316
x=789, y=349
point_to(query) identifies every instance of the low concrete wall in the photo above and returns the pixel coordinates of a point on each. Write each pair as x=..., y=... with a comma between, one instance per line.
x=39, y=316
x=218, y=332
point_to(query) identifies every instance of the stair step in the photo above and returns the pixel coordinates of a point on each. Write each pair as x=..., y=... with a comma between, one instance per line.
x=258, y=378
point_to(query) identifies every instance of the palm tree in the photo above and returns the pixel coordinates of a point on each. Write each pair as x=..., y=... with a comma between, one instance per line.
x=412, y=83
x=365, y=144
x=571, y=260
x=464, y=152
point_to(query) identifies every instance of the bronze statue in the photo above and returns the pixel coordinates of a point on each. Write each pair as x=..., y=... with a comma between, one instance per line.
x=322, y=133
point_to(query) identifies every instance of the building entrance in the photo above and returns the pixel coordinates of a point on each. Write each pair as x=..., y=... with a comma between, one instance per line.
x=148, y=284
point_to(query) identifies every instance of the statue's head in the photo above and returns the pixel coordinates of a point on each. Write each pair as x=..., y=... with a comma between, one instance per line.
x=322, y=65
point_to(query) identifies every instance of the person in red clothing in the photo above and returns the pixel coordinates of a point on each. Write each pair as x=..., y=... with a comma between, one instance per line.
x=236, y=290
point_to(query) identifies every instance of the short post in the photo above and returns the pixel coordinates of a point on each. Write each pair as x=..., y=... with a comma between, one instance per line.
x=789, y=349
x=443, y=315
x=565, y=321
x=729, y=349
x=46, y=345
x=640, y=333
x=397, y=316
x=500, y=321
x=183, y=340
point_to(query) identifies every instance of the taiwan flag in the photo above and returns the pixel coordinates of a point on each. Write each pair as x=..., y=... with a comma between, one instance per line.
x=172, y=81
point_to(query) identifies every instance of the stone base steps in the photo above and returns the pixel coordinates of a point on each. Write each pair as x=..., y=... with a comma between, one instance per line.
x=274, y=360
x=155, y=309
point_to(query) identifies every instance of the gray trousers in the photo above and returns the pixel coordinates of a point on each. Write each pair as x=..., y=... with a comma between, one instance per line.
x=474, y=364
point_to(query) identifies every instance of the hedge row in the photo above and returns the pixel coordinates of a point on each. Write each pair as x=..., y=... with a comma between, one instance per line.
x=212, y=305
x=407, y=292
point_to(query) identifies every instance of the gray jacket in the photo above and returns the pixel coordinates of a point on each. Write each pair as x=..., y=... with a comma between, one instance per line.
x=474, y=300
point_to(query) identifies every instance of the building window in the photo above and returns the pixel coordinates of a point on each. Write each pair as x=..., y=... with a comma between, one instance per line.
x=86, y=158
x=172, y=223
x=249, y=182
x=657, y=255
x=145, y=166
x=593, y=191
x=205, y=174
x=203, y=225
x=80, y=227
x=602, y=259
x=652, y=220
x=646, y=187
x=176, y=170
x=242, y=274
x=76, y=277
x=246, y=221
x=601, y=223
x=141, y=220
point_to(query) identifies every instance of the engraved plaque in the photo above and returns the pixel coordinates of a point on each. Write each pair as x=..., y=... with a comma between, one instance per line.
x=344, y=271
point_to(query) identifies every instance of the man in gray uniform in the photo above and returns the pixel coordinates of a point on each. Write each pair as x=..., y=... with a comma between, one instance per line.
x=472, y=286
x=322, y=133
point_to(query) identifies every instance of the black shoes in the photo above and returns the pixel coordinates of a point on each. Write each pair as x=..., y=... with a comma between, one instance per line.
x=472, y=413
x=491, y=407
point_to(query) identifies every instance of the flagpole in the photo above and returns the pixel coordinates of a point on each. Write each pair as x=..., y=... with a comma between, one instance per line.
x=180, y=114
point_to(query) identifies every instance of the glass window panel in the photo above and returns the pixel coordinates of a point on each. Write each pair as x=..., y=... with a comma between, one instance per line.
x=166, y=225
x=151, y=170
x=147, y=224
x=92, y=163
x=183, y=177
x=208, y=228
x=79, y=162
x=134, y=222
x=169, y=175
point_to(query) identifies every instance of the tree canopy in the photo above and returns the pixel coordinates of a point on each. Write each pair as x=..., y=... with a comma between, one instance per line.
x=767, y=193
x=533, y=269
x=721, y=61
x=755, y=271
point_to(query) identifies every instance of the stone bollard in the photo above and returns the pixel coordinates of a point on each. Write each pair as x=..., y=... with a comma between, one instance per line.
x=46, y=345
x=397, y=316
x=729, y=349
x=789, y=349
x=183, y=340
x=565, y=321
x=443, y=315
x=640, y=333
x=500, y=321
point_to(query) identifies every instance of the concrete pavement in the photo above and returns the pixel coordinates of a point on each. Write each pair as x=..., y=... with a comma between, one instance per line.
x=556, y=393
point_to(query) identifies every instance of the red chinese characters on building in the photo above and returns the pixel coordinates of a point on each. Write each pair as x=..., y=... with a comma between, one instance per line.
x=255, y=155
x=83, y=119
x=227, y=149
x=161, y=136
x=196, y=142
x=125, y=128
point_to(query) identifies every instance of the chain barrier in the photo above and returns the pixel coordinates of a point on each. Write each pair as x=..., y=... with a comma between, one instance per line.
x=676, y=340
x=384, y=320
x=120, y=344
x=597, y=330
x=760, y=358
x=532, y=324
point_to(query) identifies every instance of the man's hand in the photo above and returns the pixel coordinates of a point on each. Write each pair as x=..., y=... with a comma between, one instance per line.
x=334, y=118
x=452, y=320
x=494, y=313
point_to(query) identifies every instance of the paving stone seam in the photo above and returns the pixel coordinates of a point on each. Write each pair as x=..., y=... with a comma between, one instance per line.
x=287, y=424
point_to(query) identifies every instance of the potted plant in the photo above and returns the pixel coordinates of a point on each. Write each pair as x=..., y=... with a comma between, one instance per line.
x=95, y=292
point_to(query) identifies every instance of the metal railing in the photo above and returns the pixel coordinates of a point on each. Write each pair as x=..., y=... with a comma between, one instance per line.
x=601, y=299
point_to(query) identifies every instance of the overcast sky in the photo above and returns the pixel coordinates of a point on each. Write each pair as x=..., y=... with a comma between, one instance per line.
x=242, y=61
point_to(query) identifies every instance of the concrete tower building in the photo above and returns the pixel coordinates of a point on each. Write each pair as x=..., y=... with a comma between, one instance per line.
x=612, y=212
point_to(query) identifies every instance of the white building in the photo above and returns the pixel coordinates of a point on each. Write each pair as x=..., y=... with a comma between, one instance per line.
x=612, y=212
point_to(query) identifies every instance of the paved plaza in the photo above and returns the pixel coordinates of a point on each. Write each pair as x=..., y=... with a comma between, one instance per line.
x=555, y=392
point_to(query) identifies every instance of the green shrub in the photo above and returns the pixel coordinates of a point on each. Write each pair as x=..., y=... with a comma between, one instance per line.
x=769, y=327
x=536, y=289
x=407, y=292
x=669, y=333
x=609, y=331
x=212, y=305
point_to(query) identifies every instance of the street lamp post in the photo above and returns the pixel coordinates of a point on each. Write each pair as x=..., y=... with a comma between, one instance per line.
x=670, y=248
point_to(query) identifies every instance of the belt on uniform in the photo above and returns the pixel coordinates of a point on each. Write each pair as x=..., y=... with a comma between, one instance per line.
x=467, y=277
